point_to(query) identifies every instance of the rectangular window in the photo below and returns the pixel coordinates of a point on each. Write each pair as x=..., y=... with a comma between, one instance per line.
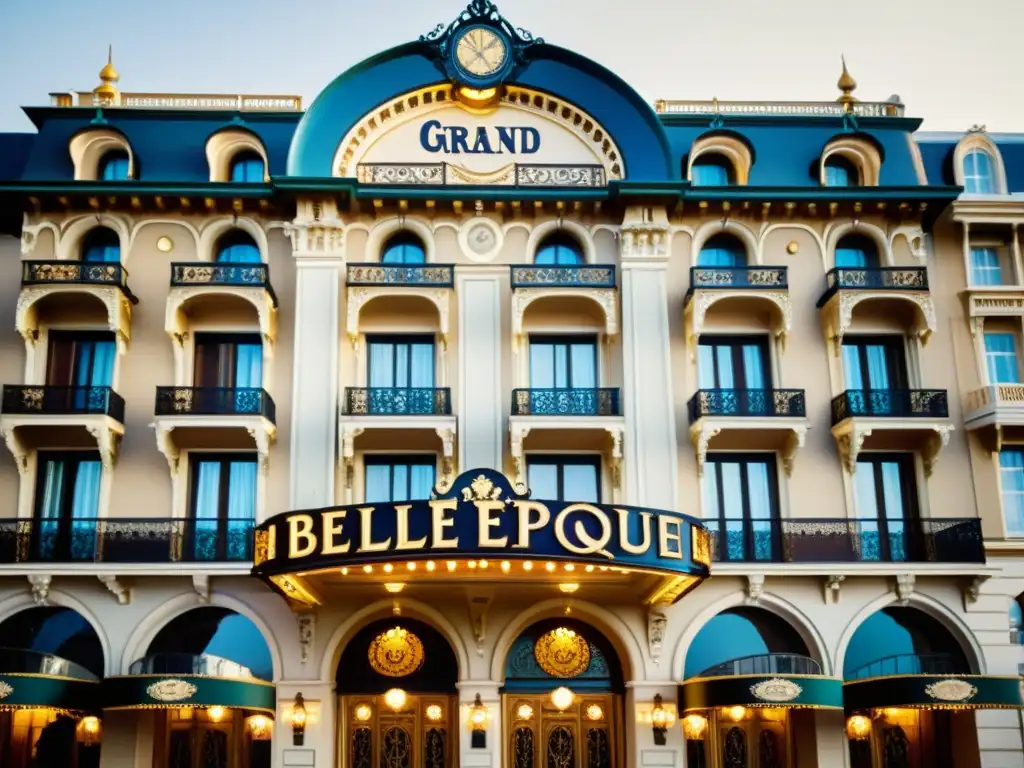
x=1001, y=358
x=78, y=359
x=733, y=362
x=401, y=362
x=399, y=478
x=228, y=361
x=563, y=362
x=1011, y=481
x=67, y=505
x=565, y=478
x=874, y=362
x=222, y=506
x=741, y=505
x=885, y=507
x=985, y=268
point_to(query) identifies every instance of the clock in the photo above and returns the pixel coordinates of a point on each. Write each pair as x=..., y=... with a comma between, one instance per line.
x=480, y=53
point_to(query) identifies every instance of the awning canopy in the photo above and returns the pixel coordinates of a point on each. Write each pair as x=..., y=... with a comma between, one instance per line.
x=934, y=692
x=170, y=681
x=33, y=680
x=792, y=691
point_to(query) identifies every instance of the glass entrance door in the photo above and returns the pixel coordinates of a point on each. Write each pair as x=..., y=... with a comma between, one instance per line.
x=420, y=733
x=758, y=741
x=586, y=734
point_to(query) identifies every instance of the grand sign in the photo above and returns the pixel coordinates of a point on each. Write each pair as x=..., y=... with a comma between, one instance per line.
x=481, y=517
x=458, y=139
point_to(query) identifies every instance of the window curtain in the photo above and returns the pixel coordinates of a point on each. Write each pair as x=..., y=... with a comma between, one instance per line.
x=102, y=245
x=239, y=253
x=1011, y=476
x=579, y=483
x=759, y=502
x=719, y=256
x=205, y=510
x=1001, y=358
x=94, y=363
x=895, y=509
x=85, y=498
x=421, y=481
x=542, y=365
x=382, y=365
x=399, y=481
x=709, y=175
x=584, y=366
x=753, y=366
x=836, y=176
x=378, y=483
x=543, y=480
x=985, y=268
x=851, y=258
x=241, y=510
x=248, y=168
x=421, y=365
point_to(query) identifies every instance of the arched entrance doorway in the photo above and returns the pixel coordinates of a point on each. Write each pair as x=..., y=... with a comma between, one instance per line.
x=207, y=675
x=892, y=653
x=750, y=685
x=51, y=662
x=398, y=709
x=562, y=699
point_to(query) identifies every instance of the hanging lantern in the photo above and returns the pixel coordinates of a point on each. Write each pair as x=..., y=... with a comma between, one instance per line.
x=89, y=731
x=694, y=727
x=259, y=727
x=858, y=727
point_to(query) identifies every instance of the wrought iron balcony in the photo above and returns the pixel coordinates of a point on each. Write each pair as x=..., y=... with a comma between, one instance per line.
x=873, y=279
x=765, y=664
x=746, y=402
x=574, y=276
x=428, y=275
x=125, y=540
x=215, y=401
x=909, y=664
x=737, y=278
x=398, y=401
x=77, y=272
x=565, y=402
x=890, y=403
x=189, y=274
x=61, y=401
x=844, y=540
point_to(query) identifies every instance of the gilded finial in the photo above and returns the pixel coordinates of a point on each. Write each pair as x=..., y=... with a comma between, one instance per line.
x=846, y=85
x=106, y=92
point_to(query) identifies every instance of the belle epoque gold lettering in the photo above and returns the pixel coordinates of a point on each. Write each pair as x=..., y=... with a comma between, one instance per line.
x=524, y=508
x=665, y=537
x=366, y=542
x=331, y=531
x=300, y=528
x=590, y=544
x=489, y=516
x=402, y=541
x=438, y=508
x=645, y=524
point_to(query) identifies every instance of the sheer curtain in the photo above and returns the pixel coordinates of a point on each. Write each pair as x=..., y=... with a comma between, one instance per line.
x=1001, y=358
x=584, y=366
x=851, y=258
x=421, y=481
x=542, y=365
x=382, y=364
x=1011, y=478
x=241, y=510
x=759, y=504
x=543, y=480
x=378, y=483
x=579, y=483
x=205, y=509
x=866, y=512
x=895, y=509
x=421, y=365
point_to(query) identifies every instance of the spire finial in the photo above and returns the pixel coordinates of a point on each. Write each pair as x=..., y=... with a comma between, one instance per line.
x=846, y=85
x=106, y=92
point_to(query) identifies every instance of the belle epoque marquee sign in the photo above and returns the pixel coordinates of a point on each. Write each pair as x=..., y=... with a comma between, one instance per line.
x=481, y=517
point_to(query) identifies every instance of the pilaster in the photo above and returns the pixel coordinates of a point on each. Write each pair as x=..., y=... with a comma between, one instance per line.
x=481, y=409
x=319, y=740
x=650, y=445
x=641, y=751
x=489, y=756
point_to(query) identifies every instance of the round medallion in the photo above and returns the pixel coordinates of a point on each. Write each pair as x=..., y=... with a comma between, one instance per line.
x=776, y=690
x=951, y=690
x=480, y=52
x=171, y=690
x=562, y=653
x=481, y=239
x=396, y=653
x=164, y=244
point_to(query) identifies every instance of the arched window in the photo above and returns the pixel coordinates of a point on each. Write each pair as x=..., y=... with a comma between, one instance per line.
x=711, y=170
x=114, y=166
x=403, y=248
x=902, y=641
x=722, y=251
x=101, y=244
x=741, y=635
x=217, y=632
x=840, y=172
x=237, y=247
x=559, y=249
x=247, y=167
x=979, y=174
x=856, y=252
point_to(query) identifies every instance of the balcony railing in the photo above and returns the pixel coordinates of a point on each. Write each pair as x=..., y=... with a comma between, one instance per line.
x=575, y=276
x=996, y=395
x=873, y=279
x=765, y=664
x=844, y=540
x=214, y=401
x=76, y=272
x=21, y=661
x=739, y=278
x=436, y=275
x=125, y=540
x=520, y=175
x=747, y=402
x=565, y=402
x=779, y=108
x=398, y=401
x=890, y=403
x=187, y=274
x=188, y=664
x=909, y=664
x=61, y=401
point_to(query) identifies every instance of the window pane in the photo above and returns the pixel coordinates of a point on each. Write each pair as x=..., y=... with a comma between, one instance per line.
x=542, y=365
x=584, y=373
x=242, y=490
x=1001, y=358
x=561, y=366
x=399, y=482
x=709, y=487
x=249, y=366
x=421, y=365
x=421, y=481
x=851, y=367
x=382, y=364
x=85, y=500
x=580, y=483
x=207, y=499
x=836, y=176
x=378, y=483
x=732, y=489
x=723, y=356
x=53, y=489
x=705, y=366
x=709, y=174
x=892, y=490
x=401, y=365
x=753, y=366
x=978, y=173
x=1011, y=473
x=543, y=480
x=864, y=491
x=985, y=268
x=759, y=490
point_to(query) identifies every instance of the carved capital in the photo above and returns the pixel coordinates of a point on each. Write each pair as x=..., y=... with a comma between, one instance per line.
x=832, y=586
x=755, y=588
x=850, y=444
x=39, y=584
x=904, y=587
x=794, y=443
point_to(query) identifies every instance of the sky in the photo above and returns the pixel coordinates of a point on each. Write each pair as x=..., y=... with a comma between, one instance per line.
x=955, y=63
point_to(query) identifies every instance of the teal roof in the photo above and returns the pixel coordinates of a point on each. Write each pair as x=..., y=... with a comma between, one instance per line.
x=937, y=154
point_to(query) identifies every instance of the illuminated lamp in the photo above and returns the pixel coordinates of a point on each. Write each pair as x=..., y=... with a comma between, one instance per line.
x=694, y=727
x=659, y=721
x=478, y=724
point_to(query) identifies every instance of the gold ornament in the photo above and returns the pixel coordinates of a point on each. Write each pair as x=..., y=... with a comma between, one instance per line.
x=776, y=690
x=562, y=653
x=171, y=690
x=396, y=653
x=5, y=690
x=951, y=690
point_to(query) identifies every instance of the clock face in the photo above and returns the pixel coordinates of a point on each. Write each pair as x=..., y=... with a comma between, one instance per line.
x=480, y=51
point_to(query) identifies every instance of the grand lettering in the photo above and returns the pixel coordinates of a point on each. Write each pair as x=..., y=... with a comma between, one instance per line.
x=520, y=526
x=460, y=140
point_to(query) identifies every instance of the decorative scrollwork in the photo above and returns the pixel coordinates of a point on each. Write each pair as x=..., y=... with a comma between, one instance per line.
x=560, y=176
x=562, y=652
x=565, y=402
x=569, y=276
x=951, y=690
x=398, y=401
x=396, y=652
x=172, y=690
x=403, y=274
x=401, y=173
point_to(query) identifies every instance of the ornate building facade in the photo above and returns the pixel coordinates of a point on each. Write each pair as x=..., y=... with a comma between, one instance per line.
x=483, y=414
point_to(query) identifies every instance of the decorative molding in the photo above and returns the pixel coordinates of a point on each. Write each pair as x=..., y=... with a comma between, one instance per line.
x=754, y=588
x=117, y=589
x=108, y=440
x=202, y=587
x=359, y=297
x=479, y=602
x=795, y=441
x=176, y=320
x=306, y=623
x=166, y=445
x=606, y=298
x=39, y=585
x=704, y=298
x=915, y=237
x=972, y=590
x=645, y=240
x=838, y=312
x=117, y=305
x=656, y=623
x=933, y=447
x=701, y=435
x=904, y=587
x=833, y=584
x=18, y=450
x=850, y=443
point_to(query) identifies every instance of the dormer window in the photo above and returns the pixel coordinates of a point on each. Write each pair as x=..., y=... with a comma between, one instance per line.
x=722, y=251
x=101, y=245
x=114, y=166
x=238, y=247
x=403, y=248
x=840, y=172
x=559, y=249
x=979, y=174
x=711, y=170
x=247, y=167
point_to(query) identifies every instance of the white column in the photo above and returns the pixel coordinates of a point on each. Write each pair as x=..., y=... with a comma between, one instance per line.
x=318, y=742
x=831, y=747
x=489, y=756
x=650, y=454
x=641, y=751
x=482, y=410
